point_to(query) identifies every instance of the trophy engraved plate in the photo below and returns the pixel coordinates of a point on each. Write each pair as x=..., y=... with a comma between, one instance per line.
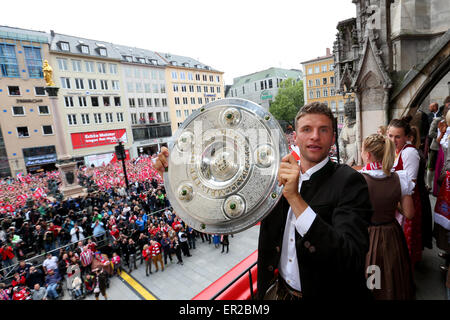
x=223, y=166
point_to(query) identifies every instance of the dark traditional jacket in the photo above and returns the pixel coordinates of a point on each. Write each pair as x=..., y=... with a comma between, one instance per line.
x=331, y=255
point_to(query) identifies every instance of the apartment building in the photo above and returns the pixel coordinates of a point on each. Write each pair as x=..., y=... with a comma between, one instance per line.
x=319, y=84
x=27, y=138
x=190, y=85
x=145, y=95
x=262, y=87
x=91, y=95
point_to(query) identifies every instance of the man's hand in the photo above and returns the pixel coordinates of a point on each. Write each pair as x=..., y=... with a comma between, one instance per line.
x=288, y=176
x=161, y=161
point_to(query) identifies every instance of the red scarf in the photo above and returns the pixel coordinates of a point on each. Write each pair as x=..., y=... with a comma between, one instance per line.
x=373, y=166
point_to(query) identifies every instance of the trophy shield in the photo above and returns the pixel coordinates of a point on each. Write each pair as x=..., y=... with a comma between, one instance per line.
x=223, y=165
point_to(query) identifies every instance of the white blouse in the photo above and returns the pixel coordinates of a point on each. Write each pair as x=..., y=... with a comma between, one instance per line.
x=411, y=159
x=406, y=184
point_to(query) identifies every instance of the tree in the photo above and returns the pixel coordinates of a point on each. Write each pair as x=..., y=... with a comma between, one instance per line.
x=288, y=100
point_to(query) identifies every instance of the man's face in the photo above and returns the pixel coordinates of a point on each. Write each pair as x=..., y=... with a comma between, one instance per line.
x=314, y=137
x=397, y=136
x=433, y=107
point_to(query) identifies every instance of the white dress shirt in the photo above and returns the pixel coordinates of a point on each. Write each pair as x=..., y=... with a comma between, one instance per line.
x=288, y=265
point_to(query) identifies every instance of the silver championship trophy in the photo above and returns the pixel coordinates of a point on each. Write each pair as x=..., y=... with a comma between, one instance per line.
x=223, y=166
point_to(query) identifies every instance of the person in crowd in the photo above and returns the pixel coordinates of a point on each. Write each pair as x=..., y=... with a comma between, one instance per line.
x=388, y=249
x=38, y=292
x=76, y=233
x=50, y=263
x=175, y=247
x=51, y=281
x=147, y=255
x=165, y=244
x=76, y=284
x=132, y=254
x=224, y=240
x=418, y=229
x=100, y=279
x=156, y=254
x=182, y=236
x=117, y=263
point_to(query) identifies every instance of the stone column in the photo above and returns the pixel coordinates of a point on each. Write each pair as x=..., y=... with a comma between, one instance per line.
x=67, y=168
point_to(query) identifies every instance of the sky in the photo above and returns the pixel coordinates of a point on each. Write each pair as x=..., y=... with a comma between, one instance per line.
x=237, y=37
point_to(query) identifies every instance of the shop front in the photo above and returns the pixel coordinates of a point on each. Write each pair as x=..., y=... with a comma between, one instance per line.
x=39, y=159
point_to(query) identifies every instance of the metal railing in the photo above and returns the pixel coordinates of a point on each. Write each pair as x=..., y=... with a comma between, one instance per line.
x=250, y=278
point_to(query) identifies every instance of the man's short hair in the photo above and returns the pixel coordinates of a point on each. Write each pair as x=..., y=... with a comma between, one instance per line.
x=315, y=108
x=447, y=100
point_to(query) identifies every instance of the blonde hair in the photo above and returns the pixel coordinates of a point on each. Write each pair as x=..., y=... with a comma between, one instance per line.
x=382, y=149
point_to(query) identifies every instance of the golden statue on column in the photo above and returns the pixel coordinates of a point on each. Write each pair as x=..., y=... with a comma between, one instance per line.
x=48, y=74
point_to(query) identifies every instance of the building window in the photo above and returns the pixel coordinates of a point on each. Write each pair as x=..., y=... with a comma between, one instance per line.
x=331, y=80
x=325, y=92
x=85, y=118
x=18, y=111
x=113, y=68
x=82, y=101
x=197, y=77
x=310, y=70
x=311, y=94
x=205, y=77
x=324, y=68
x=14, y=90
x=43, y=110
x=192, y=100
x=190, y=76
x=199, y=88
x=318, y=93
x=140, y=102
x=68, y=101
x=186, y=113
x=33, y=61
x=270, y=84
x=22, y=132
x=324, y=81
x=62, y=64
x=316, y=69
x=76, y=65
x=205, y=88
x=64, y=46
x=102, y=52
x=65, y=83
x=185, y=100
x=174, y=75
x=331, y=67
x=156, y=100
x=178, y=112
x=92, y=84
x=119, y=116
x=182, y=76
x=200, y=101
x=89, y=66
x=218, y=89
x=79, y=83
x=317, y=82
x=109, y=117
x=156, y=88
x=164, y=102
x=115, y=84
x=104, y=84
x=72, y=119
x=106, y=101
x=333, y=106
x=133, y=118
x=166, y=117
x=310, y=83
x=85, y=49
x=97, y=117
x=101, y=67
x=332, y=92
x=175, y=88
x=94, y=101
x=131, y=102
x=183, y=88
x=8, y=61
x=117, y=102
x=47, y=130
x=163, y=88
x=39, y=91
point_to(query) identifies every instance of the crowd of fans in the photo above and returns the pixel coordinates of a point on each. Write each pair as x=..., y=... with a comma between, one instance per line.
x=88, y=239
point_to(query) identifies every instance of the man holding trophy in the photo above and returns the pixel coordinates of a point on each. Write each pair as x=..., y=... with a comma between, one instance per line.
x=313, y=243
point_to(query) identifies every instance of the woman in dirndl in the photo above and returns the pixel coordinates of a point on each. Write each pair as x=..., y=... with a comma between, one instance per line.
x=388, y=250
x=408, y=159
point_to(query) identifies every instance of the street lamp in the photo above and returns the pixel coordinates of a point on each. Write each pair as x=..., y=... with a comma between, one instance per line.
x=121, y=155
